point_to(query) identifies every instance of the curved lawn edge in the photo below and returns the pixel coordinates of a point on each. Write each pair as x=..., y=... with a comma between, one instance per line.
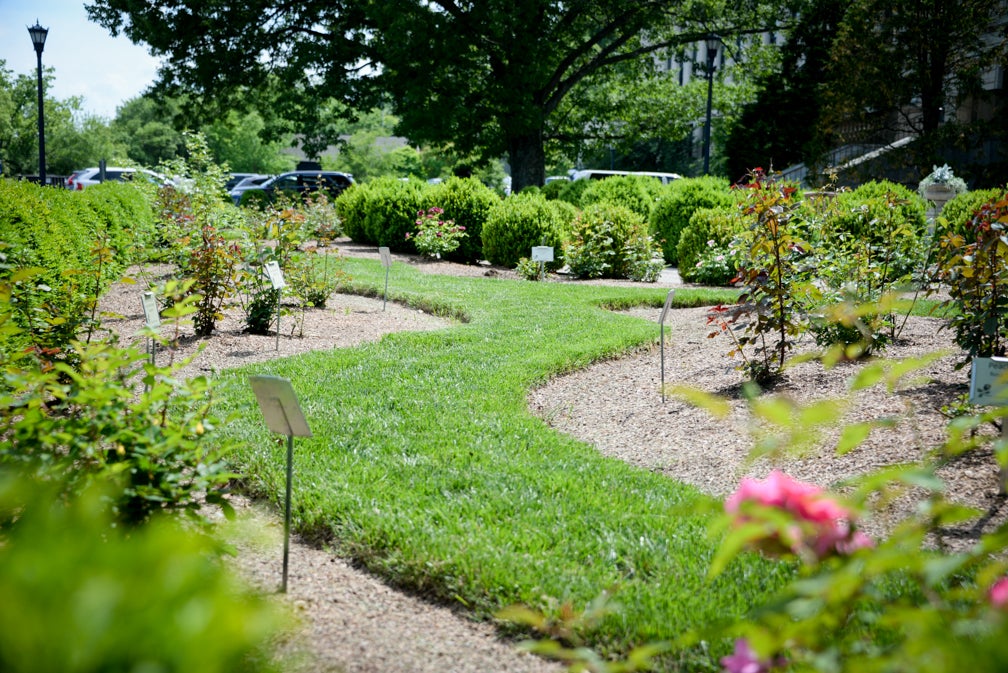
x=427, y=467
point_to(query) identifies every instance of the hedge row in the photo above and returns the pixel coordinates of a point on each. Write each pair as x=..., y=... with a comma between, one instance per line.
x=60, y=250
x=60, y=232
x=383, y=211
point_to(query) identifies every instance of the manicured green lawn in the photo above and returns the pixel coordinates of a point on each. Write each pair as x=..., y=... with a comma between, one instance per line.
x=427, y=467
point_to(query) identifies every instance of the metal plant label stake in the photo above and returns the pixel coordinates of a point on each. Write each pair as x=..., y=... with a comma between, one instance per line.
x=989, y=386
x=277, y=280
x=152, y=318
x=386, y=261
x=661, y=323
x=280, y=408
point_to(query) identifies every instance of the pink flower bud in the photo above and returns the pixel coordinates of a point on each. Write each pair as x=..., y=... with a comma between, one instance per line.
x=745, y=660
x=998, y=594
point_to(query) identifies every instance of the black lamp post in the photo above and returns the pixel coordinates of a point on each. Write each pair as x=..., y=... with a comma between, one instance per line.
x=38, y=37
x=712, y=43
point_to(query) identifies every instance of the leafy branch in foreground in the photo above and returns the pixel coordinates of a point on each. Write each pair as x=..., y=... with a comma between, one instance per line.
x=91, y=422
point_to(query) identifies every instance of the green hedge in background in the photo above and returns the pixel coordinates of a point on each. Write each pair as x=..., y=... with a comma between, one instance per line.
x=468, y=202
x=60, y=250
x=57, y=230
x=517, y=224
x=684, y=197
x=639, y=193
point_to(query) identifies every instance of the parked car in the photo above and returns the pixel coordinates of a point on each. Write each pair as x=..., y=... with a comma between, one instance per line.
x=249, y=182
x=601, y=175
x=301, y=182
x=86, y=177
x=235, y=178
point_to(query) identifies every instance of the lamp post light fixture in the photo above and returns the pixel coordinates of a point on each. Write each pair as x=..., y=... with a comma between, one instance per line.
x=38, y=38
x=712, y=43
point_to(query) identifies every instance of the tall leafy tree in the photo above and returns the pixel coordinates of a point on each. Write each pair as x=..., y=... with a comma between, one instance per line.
x=147, y=126
x=780, y=126
x=236, y=139
x=73, y=138
x=900, y=65
x=487, y=76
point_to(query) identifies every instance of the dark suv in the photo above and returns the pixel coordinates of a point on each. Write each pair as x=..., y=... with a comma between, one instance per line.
x=298, y=183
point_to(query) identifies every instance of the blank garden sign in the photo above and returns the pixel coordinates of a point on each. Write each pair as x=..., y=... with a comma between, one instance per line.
x=283, y=416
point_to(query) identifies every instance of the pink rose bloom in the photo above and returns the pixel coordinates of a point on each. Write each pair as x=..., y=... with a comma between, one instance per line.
x=826, y=530
x=998, y=593
x=744, y=660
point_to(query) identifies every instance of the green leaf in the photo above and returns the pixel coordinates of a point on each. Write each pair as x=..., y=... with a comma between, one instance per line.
x=714, y=405
x=851, y=437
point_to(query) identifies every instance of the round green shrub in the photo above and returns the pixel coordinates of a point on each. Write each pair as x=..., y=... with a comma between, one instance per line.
x=887, y=216
x=392, y=210
x=381, y=212
x=719, y=225
x=572, y=190
x=960, y=210
x=552, y=190
x=468, y=202
x=909, y=207
x=567, y=213
x=608, y=241
x=351, y=207
x=672, y=212
x=638, y=193
x=517, y=224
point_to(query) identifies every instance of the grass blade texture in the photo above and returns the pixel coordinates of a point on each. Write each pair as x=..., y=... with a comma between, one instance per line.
x=427, y=467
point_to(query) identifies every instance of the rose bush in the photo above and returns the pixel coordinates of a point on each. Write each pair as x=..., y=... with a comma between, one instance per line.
x=434, y=236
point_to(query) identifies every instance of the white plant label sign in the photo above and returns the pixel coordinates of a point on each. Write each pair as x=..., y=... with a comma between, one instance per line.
x=542, y=253
x=275, y=275
x=151, y=315
x=989, y=381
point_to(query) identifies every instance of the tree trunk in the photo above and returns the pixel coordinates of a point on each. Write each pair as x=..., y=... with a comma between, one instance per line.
x=528, y=161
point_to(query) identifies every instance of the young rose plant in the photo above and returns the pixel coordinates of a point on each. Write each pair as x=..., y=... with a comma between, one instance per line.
x=434, y=236
x=915, y=599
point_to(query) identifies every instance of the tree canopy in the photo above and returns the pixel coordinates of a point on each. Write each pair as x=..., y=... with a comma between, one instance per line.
x=486, y=77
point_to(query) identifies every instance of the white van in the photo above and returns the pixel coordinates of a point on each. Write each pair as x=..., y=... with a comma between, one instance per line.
x=592, y=174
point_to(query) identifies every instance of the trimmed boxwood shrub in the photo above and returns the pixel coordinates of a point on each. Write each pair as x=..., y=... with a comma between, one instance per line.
x=720, y=225
x=552, y=190
x=381, y=212
x=611, y=241
x=567, y=213
x=883, y=214
x=518, y=223
x=572, y=190
x=637, y=192
x=351, y=207
x=960, y=209
x=672, y=212
x=467, y=201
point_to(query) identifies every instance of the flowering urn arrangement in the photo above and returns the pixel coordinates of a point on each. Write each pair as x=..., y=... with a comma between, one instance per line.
x=941, y=184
